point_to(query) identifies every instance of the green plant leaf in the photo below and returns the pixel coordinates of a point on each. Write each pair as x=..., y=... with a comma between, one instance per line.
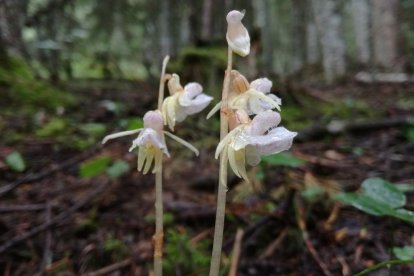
x=15, y=161
x=404, y=214
x=408, y=131
x=383, y=192
x=361, y=202
x=54, y=127
x=118, y=168
x=405, y=187
x=312, y=193
x=94, y=129
x=94, y=167
x=134, y=123
x=283, y=159
x=404, y=253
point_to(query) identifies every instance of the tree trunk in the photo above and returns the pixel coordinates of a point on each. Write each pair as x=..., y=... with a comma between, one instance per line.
x=386, y=33
x=12, y=18
x=360, y=10
x=328, y=23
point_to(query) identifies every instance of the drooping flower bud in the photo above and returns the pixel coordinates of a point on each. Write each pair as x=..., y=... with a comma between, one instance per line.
x=237, y=35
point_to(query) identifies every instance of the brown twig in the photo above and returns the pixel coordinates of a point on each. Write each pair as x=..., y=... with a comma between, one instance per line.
x=47, y=253
x=110, y=268
x=22, y=208
x=300, y=216
x=274, y=244
x=33, y=177
x=236, y=252
x=57, y=219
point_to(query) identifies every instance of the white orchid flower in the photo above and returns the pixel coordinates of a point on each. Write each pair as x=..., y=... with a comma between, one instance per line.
x=253, y=98
x=150, y=141
x=183, y=101
x=237, y=35
x=251, y=140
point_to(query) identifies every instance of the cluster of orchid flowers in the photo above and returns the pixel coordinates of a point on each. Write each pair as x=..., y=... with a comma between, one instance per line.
x=253, y=124
x=248, y=140
x=183, y=101
x=250, y=131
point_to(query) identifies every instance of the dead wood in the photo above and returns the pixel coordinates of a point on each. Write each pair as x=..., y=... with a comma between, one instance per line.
x=55, y=220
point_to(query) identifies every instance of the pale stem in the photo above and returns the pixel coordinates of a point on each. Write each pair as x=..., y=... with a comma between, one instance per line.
x=162, y=82
x=159, y=228
x=222, y=187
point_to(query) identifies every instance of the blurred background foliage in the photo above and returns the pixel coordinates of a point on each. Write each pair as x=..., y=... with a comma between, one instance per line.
x=127, y=39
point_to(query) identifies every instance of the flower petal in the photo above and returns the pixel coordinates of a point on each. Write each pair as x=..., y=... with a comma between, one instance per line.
x=150, y=136
x=263, y=85
x=120, y=134
x=237, y=35
x=197, y=104
x=192, y=89
x=174, y=85
x=182, y=142
x=214, y=110
x=252, y=156
x=277, y=140
x=154, y=120
x=264, y=121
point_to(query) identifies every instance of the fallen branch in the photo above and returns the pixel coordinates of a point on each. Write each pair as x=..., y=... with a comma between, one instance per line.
x=300, y=217
x=336, y=127
x=110, y=268
x=33, y=177
x=274, y=244
x=57, y=219
x=236, y=253
x=366, y=77
x=22, y=208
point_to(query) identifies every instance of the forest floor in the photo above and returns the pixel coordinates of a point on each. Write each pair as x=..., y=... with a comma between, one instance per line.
x=73, y=212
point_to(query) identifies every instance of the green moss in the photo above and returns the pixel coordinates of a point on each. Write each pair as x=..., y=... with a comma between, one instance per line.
x=23, y=89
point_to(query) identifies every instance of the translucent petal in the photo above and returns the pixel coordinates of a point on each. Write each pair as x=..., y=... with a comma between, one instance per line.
x=150, y=158
x=182, y=142
x=252, y=156
x=263, y=85
x=157, y=162
x=232, y=161
x=214, y=110
x=142, y=155
x=254, y=94
x=277, y=140
x=120, y=134
x=227, y=140
x=174, y=85
x=237, y=35
x=197, y=104
x=154, y=120
x=193, y=89
x=150, y=136
x=263, y=121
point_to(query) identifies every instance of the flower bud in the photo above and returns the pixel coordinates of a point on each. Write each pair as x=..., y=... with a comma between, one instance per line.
x=237, y=35
x=153, y=119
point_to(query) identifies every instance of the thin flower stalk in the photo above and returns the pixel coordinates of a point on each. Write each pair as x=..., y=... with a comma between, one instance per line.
x=222, y=187
x=158, y=237
x=239, y=42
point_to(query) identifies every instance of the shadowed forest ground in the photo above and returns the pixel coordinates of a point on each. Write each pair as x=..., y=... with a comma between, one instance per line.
x=56, y=222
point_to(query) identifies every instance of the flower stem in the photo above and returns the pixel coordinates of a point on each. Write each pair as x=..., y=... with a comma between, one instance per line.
x=222, y=187
x=158, y=237
x=159, y=228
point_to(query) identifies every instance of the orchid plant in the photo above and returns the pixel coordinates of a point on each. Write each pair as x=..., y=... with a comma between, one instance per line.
x=247, y=112
x=151, y=140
